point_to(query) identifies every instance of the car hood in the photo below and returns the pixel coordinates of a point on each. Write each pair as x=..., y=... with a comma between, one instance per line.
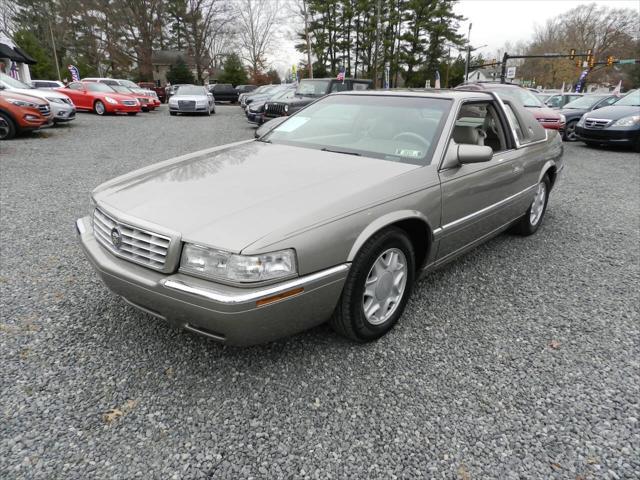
x=230, y=197
x=17, y=94
x=571, y=113
x=33, y=92
x=614, y=112
x=544, y=112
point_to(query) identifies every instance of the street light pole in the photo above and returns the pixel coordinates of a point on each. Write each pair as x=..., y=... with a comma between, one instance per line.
x=466, y=65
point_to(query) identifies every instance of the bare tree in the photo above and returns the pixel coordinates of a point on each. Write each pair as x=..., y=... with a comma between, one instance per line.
x=7, y=12
x=257, y=21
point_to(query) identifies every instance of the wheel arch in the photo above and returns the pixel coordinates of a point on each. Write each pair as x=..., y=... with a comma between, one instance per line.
x=412, y=222
x=551, y=169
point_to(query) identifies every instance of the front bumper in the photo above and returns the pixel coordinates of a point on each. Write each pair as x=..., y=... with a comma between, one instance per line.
x=224, y=313
x=197, y=109
x=609, y=136
x=120, y=108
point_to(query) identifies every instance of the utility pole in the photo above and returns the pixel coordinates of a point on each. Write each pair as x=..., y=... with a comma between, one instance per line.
x=306, y=34
x=375, y=57
x=446, y=76
x=466, y=65
x=55, y=54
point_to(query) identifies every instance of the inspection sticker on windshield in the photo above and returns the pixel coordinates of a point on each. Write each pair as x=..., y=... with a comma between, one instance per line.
x=292, y=124
x=403, y=152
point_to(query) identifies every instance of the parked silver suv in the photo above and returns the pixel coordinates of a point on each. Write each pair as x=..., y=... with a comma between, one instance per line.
x=62, y=108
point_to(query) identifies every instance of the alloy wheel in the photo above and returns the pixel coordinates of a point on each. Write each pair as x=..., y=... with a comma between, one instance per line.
x=570, y=132
x=385, y=286
x=537, y=207
x=4, y=129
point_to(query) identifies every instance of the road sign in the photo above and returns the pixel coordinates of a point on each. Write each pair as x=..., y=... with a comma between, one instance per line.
x=511, y=72
x=627, y=61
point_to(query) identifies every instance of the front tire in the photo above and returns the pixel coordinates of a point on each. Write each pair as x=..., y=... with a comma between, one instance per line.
x=99, y=108
x=7, y=127
x=132, y=114
x=570, y=131
x=531, y=220
x=173, y=114
x=377, y=288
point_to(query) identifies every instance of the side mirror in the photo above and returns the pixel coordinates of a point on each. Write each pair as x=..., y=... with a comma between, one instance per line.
x=474, y=153
x=267, y=127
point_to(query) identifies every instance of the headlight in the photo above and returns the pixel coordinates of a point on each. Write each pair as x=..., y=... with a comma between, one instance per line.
x=286, y=108
x=22, y=103
x=266, y=106
x=113, y=101
x=563, y=119
x=581, y=121
x=627, y=121
x=55, y=100
x=217, y=264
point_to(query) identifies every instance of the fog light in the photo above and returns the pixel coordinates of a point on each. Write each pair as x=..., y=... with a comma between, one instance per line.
x=30, y=117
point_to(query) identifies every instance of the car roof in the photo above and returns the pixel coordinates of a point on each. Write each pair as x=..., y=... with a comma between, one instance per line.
x=444, y=93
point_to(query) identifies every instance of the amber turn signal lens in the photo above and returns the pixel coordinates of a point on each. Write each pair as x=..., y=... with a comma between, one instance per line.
x=280, y=296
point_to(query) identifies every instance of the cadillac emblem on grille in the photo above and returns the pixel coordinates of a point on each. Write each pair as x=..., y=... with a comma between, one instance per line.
x=116, y=237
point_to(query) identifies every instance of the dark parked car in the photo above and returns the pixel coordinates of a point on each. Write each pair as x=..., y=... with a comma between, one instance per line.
x=224, y=92
x=260, y=93
x=574, y=110
x=309, y=90
x=255, y=111
x=618, y=124
x=245, y=88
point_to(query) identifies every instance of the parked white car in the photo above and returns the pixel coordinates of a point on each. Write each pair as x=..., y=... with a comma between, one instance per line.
x=62, y=108
x=46, y=84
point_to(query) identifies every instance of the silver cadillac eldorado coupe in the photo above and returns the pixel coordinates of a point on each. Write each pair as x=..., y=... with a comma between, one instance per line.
x=331, y=214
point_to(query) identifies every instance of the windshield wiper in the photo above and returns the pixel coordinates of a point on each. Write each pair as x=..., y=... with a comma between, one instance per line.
x=325, y=149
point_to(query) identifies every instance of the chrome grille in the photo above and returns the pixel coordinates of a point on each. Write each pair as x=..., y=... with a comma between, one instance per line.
x=596, y=122
x=136, y=245
x=186, y=104
x=549, y=120
x=143, y=100
x=130, y=103
x=44, y=110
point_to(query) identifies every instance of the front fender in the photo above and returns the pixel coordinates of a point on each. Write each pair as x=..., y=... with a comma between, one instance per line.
x=385, y=221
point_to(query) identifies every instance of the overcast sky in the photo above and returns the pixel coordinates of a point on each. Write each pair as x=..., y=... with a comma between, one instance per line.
x=494, y=23
x=498, y=21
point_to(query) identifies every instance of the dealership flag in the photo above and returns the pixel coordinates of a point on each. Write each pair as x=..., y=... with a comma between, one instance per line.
x=618, y=90
x=75, y=74
x=341, y=74
x=437, y=83
x=14, y=70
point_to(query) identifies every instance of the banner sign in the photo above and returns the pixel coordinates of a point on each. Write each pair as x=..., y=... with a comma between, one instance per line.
x=75, y=73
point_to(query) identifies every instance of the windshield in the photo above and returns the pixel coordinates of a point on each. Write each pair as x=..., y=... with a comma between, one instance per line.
x=191, y=90
x=630, y=100
x=527, y=98
x=12, y=82
x=312, y=87
x=398, y=129
x=128, y=83
x=98, y=87
x=587, y=101
x=288, y=93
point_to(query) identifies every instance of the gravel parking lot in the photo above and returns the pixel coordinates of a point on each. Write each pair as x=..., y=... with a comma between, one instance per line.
x=520, y=360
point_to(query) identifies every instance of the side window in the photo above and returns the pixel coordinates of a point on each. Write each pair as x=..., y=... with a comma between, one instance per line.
x=360, y=86
x=339, y=87
x=554, y=101
x=514, y=121
x=478, y=123
x=75, y=86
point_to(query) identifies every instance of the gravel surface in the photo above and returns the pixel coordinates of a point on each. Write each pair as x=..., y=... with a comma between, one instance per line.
x=520, y=360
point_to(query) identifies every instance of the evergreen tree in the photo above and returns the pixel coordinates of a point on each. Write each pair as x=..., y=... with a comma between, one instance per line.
x=233, y=72
x=29, y=43
x=179, y=73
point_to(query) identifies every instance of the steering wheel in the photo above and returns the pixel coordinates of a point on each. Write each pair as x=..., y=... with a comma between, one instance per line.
x=413, y=136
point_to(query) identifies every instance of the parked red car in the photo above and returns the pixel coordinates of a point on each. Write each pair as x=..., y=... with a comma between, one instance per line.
x=22, y=113
x=160, y=91
x=100, y=98
x=547, y=117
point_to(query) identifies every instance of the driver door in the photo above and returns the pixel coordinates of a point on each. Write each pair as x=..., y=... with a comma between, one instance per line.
x=77, y=93
x=475, y=197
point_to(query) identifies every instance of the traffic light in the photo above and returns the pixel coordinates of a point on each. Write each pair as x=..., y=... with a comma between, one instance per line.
x=610, y=60
x=572, y=54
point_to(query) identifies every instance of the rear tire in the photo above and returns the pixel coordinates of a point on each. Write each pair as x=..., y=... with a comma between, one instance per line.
x=7, y=127
x=532, y=219
x=376, y=292
x=173, y=114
